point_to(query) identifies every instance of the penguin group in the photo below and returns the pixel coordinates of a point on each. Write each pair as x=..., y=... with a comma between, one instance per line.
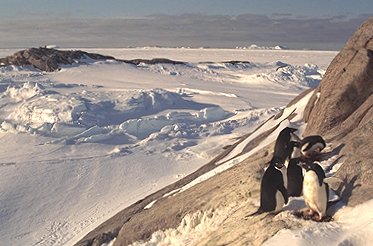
x=293, y=171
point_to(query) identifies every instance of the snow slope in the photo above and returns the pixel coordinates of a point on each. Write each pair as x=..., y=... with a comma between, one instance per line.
x=83, y=143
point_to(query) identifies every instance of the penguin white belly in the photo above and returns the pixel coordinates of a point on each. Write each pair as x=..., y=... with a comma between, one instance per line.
x=280, y=201
x=314, y=195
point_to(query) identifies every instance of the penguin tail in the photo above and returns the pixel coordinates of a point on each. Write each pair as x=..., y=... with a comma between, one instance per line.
x=332, y=203
x=259, y=211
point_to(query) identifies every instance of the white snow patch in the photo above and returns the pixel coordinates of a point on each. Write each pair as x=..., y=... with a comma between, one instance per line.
x=351, y=226
x=111, y=243
x=150, y=205
x=308, y=75
x=191, y=230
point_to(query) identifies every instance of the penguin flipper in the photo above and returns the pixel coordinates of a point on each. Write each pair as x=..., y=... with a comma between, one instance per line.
x=327, y=191
x=320, y=173
x=284, y=193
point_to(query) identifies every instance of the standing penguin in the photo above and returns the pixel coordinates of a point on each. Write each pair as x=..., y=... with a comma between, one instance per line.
x=273, y=194
x=294, y=171
x=282, y=145
x=315, y=191
x=312, y=145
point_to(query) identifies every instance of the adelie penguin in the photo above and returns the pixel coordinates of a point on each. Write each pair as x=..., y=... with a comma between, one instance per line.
x=312, y=146
x=315, y=191
x=273, y=194
x=282, y=145
x=294, y=171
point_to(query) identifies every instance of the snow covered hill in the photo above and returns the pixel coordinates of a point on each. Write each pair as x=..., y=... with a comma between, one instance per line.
x=82, y=143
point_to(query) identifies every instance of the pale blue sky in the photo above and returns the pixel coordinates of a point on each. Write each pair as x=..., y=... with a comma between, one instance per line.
x=309, y=24
x=139, y=8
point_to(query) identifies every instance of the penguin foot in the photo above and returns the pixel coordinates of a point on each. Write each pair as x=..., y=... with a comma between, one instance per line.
x=301, y=214
x=319, y=218
x=304, y=214
x=307, y=214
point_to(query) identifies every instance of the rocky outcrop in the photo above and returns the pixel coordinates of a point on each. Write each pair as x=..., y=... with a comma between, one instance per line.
x=341, y=109
x=347, y=84
x=49, y=60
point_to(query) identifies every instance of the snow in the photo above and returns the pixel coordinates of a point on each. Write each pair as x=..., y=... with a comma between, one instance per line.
x=150, y=205
x=351, y=226
x=81, y=144
x=192, y=228
x=238, y=154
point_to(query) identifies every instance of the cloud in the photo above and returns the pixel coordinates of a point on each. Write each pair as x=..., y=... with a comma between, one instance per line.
x=194, y=30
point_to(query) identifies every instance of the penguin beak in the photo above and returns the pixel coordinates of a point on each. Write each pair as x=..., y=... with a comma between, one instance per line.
x=279, y=165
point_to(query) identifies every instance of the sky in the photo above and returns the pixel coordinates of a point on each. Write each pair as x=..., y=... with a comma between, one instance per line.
x=141, y=8
x=316, y=24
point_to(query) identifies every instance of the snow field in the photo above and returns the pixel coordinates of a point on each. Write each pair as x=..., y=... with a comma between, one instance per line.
x=85, y=142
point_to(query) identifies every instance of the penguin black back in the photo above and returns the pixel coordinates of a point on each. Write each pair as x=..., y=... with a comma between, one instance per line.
x=295, y=178
x=282, y=145
x=294, y=171
x=272, y=182
x=312, y=145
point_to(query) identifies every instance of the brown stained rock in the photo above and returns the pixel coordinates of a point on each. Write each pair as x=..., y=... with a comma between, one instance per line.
x=357, y=169
x=343, y=113
x=347, y=83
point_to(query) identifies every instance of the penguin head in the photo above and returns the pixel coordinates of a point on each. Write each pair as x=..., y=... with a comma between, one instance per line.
x=277, y=162
x=289, y=130
x=294, y=144
x=307, y=165
x=292, y=129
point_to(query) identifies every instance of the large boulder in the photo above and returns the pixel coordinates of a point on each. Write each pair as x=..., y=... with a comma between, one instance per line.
x=341, y=109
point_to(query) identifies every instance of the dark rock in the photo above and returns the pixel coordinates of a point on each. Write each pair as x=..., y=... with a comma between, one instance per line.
x=49, y=60
x=154, y=61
